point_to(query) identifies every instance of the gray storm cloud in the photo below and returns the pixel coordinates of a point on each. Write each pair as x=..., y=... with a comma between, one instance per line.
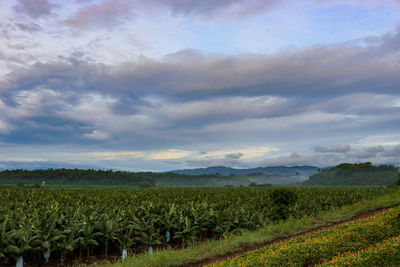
x=234, y=155
x=369, y=152
x=388, y=156
x=332, y=149
x=189, y=97
x=394, y=152
x=35, y=8
x=296, y=98
x=108, y=13
x=325, y=71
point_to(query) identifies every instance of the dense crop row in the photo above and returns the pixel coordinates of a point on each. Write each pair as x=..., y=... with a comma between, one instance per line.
x=35, y=223
x=386, y=253
x=329, y=247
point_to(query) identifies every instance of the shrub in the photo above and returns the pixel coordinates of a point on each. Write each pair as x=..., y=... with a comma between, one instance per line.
x=398, y=180
x=282, y=198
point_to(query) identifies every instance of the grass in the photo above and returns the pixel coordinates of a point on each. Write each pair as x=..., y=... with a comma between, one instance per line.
x=236, y=243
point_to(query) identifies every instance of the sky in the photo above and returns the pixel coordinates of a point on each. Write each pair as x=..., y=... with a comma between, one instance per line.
x=158, y=85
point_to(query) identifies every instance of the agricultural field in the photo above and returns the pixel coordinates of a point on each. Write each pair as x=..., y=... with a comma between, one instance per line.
x=373, y=241
x=68, y=225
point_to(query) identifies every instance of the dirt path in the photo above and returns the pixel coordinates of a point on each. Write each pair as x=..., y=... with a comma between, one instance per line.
x=248, y=248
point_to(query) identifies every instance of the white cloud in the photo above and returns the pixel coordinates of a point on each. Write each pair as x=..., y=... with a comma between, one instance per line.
x=150, y=155
x=245, y=152
x=98, y=135
x=4, y=127
x=380, y=140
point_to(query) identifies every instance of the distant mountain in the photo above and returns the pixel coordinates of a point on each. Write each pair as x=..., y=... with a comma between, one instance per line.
x=226, y=171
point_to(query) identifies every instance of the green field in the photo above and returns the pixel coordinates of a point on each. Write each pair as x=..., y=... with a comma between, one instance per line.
x=372, y=241
x=76, y=224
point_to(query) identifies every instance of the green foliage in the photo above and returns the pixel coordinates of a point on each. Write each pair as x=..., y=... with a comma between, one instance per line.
x=355, y=174
x=383, y=253
x=235, y=243
x=76, y=176
x=75, y=222
x=253, y=184
x=282, y=199
x=398, y=180
x=327, y=245
x=109, y=178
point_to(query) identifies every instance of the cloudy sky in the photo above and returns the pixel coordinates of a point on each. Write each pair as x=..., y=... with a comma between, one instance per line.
x=170, y=84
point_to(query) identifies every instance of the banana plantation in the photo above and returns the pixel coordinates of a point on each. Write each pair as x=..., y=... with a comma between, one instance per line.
x=62, y=226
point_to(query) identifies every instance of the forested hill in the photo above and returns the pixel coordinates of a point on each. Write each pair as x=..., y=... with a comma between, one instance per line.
x=281, y=170
x=77, y=177
x=93, y=178
x=355, y=174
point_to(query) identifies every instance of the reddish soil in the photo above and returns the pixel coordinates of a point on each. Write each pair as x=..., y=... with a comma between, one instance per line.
x=248, y=247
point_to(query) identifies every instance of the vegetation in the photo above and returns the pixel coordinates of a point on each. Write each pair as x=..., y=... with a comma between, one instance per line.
x=78, y=223
x=282, y=200
x=380, y=254
x=247, y=239
x=355, y=174
x=280, y=170
x=76, y=176
x=334, y=246
x=398, y=180
x=99, y=178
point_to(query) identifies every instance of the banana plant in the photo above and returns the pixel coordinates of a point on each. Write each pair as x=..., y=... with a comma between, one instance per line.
x=149, y=239
x=48, y=238
x=3, y=241
x=146, y=233
x=168, y=220
x=26, y=238
x=67, y=243
x=6, y=237
x=126, y=242
x=188, y=233
x=221, y=225
x=47, y=230
x=202, y=219
x=87, y=238
x=110, y=231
